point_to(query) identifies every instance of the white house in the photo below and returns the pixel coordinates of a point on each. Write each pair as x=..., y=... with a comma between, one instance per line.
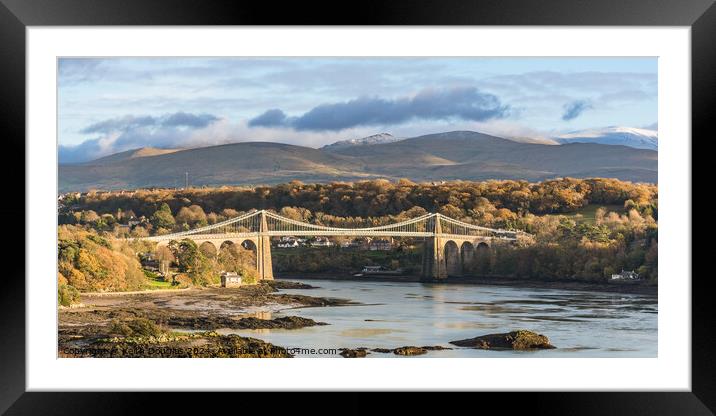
x=288, y=244
x=626, y=275
x=321, y=242
x=230, y=279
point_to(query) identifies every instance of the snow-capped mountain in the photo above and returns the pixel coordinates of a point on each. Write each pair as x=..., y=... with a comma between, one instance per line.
x=625, y=136
x=374, y=139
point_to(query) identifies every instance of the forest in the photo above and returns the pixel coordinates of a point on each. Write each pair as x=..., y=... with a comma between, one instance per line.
x=494, y=203
x=562, y=246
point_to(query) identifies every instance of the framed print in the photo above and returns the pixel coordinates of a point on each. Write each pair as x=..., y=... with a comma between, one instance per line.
x=441, y=197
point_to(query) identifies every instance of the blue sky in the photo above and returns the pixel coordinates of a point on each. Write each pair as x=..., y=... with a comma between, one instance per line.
x=116, y=104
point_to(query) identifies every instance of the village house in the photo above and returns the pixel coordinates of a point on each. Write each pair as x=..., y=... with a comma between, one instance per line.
x=381, y=245
x=357, y=243
x=289, y=243
x=626, y=275
x=148, y=261
x=321, y=242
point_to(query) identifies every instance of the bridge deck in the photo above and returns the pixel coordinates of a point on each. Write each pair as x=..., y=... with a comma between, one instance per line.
x=268, y=224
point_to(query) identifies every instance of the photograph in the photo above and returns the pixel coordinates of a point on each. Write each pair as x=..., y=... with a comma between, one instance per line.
x=396, y=197
x=357, y=207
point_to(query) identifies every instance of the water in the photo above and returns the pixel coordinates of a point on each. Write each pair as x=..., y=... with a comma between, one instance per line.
x=395, y=314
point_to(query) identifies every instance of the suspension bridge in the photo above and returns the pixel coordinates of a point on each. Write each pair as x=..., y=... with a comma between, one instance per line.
x=449, y=244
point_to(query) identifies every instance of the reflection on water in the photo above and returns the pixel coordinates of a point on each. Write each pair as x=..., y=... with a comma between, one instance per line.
x=392, y=314
x=265, y=315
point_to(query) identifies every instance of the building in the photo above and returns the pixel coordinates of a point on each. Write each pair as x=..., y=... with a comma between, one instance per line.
x=288, y=244
x=626, y=275
x=381, y=245
x=148, y=261
x=134, y=221
x=230, y=279
x=358, y=243
x=321, y=242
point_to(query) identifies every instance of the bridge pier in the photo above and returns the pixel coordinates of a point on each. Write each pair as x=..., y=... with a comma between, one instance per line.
x=264, y=266
x=434, y=255
x=433, y=259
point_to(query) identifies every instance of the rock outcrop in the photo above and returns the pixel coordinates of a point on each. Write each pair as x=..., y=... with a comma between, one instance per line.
x=409, y=350
x=350, y=353
x=515, y=340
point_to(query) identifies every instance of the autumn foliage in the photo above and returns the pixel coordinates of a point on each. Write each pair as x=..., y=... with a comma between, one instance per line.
x=89, y=262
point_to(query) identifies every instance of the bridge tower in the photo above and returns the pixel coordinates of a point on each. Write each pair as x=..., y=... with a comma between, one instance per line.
x=433, y=254
x=263, y=251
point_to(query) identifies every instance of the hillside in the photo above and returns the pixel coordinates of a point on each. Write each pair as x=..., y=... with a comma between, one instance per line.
x=130, y=154
x=239, y=163
x=476, y=156
x=444, y=156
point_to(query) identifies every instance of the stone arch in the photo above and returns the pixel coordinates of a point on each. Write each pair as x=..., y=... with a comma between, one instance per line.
x=467, y=255
x=249, y=244
x=208, y=249
x=482, y=258
x=453, y=265
x=226, y=244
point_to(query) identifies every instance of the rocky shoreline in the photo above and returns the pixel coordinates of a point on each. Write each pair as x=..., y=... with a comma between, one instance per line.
x=183, y=324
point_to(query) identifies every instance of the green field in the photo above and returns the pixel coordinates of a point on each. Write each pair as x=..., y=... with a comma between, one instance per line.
x=158, y=284
x=154, y=282
x=586, y=214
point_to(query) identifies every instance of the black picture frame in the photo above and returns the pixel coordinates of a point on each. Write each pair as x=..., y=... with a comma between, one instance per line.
x=16, y=15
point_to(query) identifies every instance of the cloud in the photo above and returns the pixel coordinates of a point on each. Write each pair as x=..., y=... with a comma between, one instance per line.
x=465, y=103
x=130, y=122
x=131, y=132
x=574, y=109
x=270, y=118
x=188, y=120
x=119, y=124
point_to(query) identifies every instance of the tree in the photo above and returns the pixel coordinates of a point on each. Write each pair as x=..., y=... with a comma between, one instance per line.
x=162, y=218
x=193, y=262
x=89, y=262
x=192, y=215
x=87, y=217
x=186, y=254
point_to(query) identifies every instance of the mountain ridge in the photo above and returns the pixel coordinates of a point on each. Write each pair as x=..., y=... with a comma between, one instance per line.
x=363, y=141
x=614, y=135
x=453, y=155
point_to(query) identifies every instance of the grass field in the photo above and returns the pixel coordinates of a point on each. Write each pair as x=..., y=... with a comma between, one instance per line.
x=587, y=213
x=154, y=282
x=158, y=284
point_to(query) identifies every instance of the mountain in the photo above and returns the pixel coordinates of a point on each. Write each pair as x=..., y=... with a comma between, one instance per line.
x=365, y=141
x=625, y=136
x=476, y=156
x=454, y=155
x=238, y=163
